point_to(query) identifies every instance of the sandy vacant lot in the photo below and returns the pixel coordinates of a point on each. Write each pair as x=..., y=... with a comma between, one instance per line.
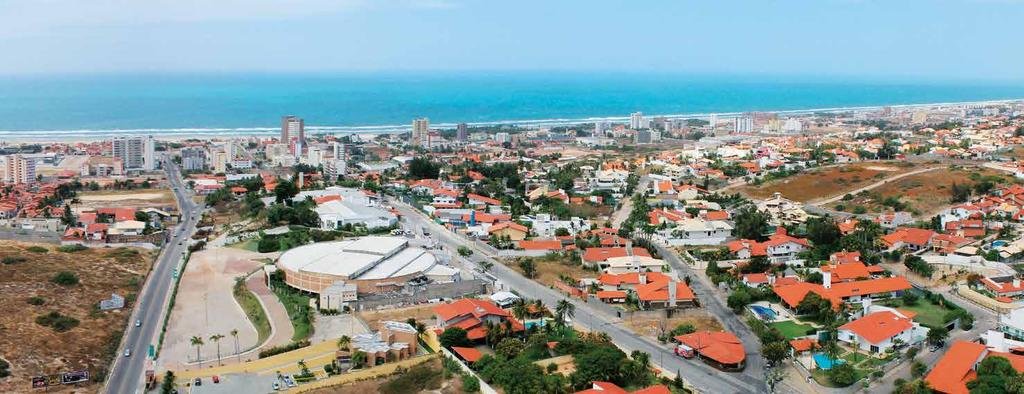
x=651, y=326
x=143, y=198
x=824, y=182
x=924, y=193
x=205, y=306
x=33, y=349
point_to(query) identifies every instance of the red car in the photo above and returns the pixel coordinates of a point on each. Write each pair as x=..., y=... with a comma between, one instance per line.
x=216, y=379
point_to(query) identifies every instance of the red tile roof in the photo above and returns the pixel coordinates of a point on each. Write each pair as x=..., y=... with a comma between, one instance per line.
x=603, y=254
x=509, y=225
x=722, y=347
x=951, y=374
x=879, y=326
x=541, y=245
x=467, y=353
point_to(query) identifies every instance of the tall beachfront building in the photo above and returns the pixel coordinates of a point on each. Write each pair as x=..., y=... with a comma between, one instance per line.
x=420, y=128
x=292, y=126
x=636, y=120
x=17, y=169
x=136, y=152
x=462, y=132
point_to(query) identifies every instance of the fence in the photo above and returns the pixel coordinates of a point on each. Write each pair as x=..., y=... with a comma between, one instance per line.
x=983, y=301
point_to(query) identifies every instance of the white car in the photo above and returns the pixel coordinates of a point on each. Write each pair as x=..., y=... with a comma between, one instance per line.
x=127, y=352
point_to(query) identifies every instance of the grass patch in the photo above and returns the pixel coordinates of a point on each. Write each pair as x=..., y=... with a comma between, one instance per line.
x=57, y=321
x=37, y=249
x=791, y=329
x=297, y=305
x=249, y=244
x=821, y=376
x=253, y=310
x=928, y=314
x=72, y=248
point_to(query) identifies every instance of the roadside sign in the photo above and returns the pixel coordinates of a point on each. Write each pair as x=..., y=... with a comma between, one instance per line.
x=75, y=377
x=152, y=351
x=38, y=382
x=54, y=380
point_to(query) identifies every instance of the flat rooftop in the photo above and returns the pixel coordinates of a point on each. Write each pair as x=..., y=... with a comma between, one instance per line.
x=362, y=258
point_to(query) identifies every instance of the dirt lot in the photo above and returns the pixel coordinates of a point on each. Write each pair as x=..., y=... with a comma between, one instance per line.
x=204, y=306
x=924, y=194
x=827, y=181
x=652, y=326
x=550, y=270
x=139, y=198
x=34, y=349
x=422, y=313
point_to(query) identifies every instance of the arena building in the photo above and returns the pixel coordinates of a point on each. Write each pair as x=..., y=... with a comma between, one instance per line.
x=372, y=264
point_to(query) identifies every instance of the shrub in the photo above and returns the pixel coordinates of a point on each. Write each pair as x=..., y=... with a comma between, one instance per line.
x=72, y=248
x=57, y=322
x=37, y=249
x=268, y=244
x=470, y=383
x=13, y=259
x=842, y=375
x=5, y=368
x=283, y=348
x=65, y=278
x=37, y=301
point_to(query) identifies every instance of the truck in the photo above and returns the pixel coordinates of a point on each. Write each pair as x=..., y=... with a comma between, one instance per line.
x=684, y=351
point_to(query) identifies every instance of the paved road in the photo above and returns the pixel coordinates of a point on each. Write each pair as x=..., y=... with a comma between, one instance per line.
x=704, y=378
x=127, y=372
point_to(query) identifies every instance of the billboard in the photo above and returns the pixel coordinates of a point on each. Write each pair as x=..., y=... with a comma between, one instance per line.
x=72, y=377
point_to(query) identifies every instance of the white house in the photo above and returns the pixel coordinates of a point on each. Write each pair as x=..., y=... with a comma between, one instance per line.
x=880, y=331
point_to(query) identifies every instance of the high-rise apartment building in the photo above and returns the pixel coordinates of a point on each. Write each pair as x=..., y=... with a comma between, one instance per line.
x=462, y=132
x=636, y=121
x=17, y=169
x=193, y=159
x=136, y=152
x=420, y=128
x=292, y=127
x=600, y=128
x=744, y=124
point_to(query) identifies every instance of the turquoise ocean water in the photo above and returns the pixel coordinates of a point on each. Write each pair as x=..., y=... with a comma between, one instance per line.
x=183, y=104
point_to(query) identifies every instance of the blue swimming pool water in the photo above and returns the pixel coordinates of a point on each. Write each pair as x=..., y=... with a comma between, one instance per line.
x=763, y=312
x=998, y=243
x=824, y=362
x=530, y=324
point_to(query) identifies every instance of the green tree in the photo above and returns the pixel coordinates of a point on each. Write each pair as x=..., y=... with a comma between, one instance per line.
x=937, y=336
x=509, y=348
x=285, y=190
x=529, y=267
x=775, y=352
x=564, y=311
x=842, y=375
x=750, y=224
x=198, y=343
x=995, y=375
x=454, y=336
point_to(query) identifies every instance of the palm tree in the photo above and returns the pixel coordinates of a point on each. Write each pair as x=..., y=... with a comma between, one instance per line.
x=234, y=333
x=216, y=339
x=344, y=342
x=198, y=343
x=520, y=310
x=564, y=309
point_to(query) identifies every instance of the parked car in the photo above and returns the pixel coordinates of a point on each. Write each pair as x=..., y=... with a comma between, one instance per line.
x=198, y=382
x=684, y=351
x=216, y=379
x=127, y=352
x=276, y=386
x=138, y=323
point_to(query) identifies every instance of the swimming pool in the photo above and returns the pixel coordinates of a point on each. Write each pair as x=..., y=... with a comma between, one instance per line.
x=998, y=243
x=824, y=362
x=530, y=324
x=765, y=313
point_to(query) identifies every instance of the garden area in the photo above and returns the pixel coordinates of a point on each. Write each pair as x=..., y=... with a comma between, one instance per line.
x=932, y=310
x=297, y=305
x=792, y=329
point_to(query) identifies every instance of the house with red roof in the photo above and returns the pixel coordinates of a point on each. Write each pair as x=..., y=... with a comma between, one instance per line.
x=837, y=293
x=514, y=231
x=779, y=248
x=478, y=200
x=757, y=280
x=959, y=366
x=471, y=314
x=1004, y=287
x=880, y=331
x=599, y=256
x=967, y=228
x=910, y=238
x=722, y=350
x=598, y=387
x=663, y=294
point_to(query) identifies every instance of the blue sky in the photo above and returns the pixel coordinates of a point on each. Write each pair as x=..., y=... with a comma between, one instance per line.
x=944, y=39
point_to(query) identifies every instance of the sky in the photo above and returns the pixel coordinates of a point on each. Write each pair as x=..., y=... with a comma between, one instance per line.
x=941, y=39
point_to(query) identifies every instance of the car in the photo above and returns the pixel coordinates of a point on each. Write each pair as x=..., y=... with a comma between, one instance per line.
x=216, y=379
x=276, y=386
x=197, y=382
x=138, y=323
x=127, y=352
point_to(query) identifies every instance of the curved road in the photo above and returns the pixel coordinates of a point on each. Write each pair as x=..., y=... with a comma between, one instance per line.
x=126, y=375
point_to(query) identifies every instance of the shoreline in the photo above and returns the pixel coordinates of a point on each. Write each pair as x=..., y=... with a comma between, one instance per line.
x=179, y=134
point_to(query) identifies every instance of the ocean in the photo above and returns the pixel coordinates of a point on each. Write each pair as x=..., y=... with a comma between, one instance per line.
x=235, y=104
